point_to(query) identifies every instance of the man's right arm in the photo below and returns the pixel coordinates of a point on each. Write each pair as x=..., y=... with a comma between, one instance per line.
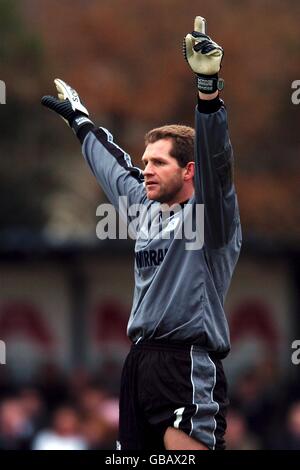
x=111, y=166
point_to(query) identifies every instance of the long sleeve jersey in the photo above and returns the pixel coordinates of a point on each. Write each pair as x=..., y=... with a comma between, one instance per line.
x=179, y=292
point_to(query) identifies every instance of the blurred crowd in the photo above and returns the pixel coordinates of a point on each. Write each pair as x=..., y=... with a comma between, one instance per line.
x=58, y=412
x=80, y=412
x=264, y=412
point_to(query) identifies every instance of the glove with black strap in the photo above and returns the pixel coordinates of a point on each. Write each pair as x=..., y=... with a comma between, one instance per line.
x=204, y=56
x=69, y=106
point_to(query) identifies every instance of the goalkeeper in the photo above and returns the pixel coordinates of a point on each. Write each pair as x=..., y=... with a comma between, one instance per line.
x=173, y=388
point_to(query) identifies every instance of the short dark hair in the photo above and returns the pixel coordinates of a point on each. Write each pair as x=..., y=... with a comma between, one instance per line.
x=183, y=139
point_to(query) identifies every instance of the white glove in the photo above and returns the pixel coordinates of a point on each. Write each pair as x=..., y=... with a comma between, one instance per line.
x=204, y=57
x=68, y=105
x=64, y=91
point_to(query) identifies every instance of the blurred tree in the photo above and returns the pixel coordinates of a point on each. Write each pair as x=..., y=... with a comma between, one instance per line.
x=125, y=60
x=25, y=181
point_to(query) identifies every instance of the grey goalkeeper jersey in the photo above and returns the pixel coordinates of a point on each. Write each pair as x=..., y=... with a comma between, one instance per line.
x=180, y=282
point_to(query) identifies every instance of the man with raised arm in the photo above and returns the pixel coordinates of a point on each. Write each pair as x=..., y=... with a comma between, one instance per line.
x=173, y=388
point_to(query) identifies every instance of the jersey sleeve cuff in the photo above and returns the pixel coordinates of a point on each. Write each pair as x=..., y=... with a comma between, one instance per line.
x=83, y=130
x=210, y=106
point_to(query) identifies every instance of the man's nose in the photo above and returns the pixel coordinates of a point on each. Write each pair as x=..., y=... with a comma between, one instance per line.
x=148, y=170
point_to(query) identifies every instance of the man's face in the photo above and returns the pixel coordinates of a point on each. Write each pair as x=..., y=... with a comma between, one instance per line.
x=163, y=176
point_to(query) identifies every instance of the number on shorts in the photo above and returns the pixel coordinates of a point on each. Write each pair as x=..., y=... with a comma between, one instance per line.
x=178, y=413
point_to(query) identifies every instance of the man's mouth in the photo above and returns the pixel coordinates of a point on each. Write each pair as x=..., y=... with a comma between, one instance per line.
x=151, y=184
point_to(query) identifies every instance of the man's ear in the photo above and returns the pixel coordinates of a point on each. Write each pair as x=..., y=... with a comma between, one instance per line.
x=189, y=171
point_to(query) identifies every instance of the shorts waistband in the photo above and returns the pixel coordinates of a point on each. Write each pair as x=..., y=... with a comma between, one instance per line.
x=163, y=345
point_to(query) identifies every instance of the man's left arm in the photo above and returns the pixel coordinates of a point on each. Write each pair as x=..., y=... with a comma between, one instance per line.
x=213, y=152
x=214, y=172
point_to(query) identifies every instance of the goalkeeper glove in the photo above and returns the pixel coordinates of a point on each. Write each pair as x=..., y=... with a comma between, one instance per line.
x=68, y=105
x=204, y=57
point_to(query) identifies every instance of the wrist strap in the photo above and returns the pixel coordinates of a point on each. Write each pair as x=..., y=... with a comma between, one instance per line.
x=209, y=83
x=79, y=121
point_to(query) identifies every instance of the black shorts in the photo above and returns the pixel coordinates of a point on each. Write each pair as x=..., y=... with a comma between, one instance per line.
x=165, y=384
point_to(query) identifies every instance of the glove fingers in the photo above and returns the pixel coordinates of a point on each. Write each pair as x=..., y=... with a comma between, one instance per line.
x=200, y=24
x=61, y=92
x=63, y=108
x=199, y=36
x=189, y=46
x=61, y=96
x=207, y=47
x=66, y=92
x=61, y=88
x=215, y=53
x=203, y=46
x=49, y=101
